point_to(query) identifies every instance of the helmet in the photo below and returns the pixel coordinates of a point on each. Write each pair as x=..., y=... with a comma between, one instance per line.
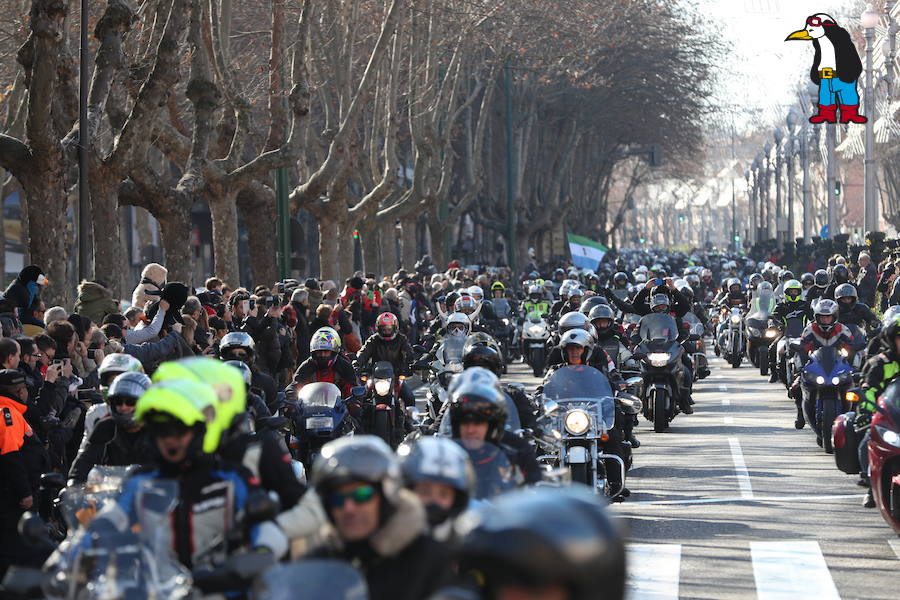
x=706, y=274
x=573, y=320
x=546, y=536
x=785, y=275
x=246, y=373
x=225, y=381
x=479, y=338
x=575, y=291
x=821, y=278
x=846, y=290
x=475, y=395
x=589, y=303
x=602, y=311
x=458, y=324
x=360, y=458
x=237, y=345
x=116, y=364
x=476, y=292
x=687, y=291
x=793, y=284
x=535, y=290
x=733, y=281
x=826, y=307
x=807, y=279
x=482, y=355
x=693, y=280
x=620, y=279
x=466, y=305
x=640, y=278
x=840, y=274
x=890, y=326
x=559, y=272
x=387, y=326
x=497, y=286
x=658, y=300
x=755, y=280
x=178, y=405
x=127, y=387
x=439, y=460
x=575, y=337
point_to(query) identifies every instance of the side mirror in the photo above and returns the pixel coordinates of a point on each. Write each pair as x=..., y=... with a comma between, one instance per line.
x=260, y=507
x=420, y=349
x=550, y=407
x=634, y=381
x=358, y=391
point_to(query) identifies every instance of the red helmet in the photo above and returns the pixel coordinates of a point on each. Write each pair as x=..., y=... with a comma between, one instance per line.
x=387, y=326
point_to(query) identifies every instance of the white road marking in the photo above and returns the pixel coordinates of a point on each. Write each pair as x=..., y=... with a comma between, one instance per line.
x=794, y=570
x=740, y=468
x=738, y=500
x=653, y=571
x=895, y=546
x=726, y=401
x=729, y=420
x=723, y=387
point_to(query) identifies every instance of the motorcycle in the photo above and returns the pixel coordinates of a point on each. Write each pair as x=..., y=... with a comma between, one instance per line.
x=661, y=370
x=507, y=330
x=384, y=408
x=825, y=379
x=318, y=416
x=759, y=335
x=789, y=361
x=317, y=577
x=695, y=346
x=535, y=334
x=585, y=415
x=731, y=336
x=884, y=456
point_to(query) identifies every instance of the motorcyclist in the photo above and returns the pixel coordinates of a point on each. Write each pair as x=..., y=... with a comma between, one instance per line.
x=824, y=330
x=707, y=288
x=325, y=363
x=783, y=277
x=603, y=319
x=840, y=274
x=807, y=280
x=577, y=349
x=820, y=280
x=175, y=414
x=238, y=345
x=480, y=355
x=388, y=344
x=440, y=473
x=505, y=554
x=111, y=367
x=374, y=522
x=478, y=416
x=256, y=406
x=793, y=306
x=536, y=301
x=620, y=287
x=570, y=299
x=119, y=440
x=879, y=372
x=732, y=296
x=850, y=310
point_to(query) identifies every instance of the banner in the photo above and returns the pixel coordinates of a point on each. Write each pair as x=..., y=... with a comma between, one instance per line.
x=586, y=253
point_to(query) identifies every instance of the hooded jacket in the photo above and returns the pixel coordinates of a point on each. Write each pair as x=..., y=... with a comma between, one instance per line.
x=400, y=561
x=153, y=278
x=95, y=302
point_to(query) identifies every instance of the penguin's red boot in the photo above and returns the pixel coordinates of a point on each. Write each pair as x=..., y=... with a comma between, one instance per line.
x=827, y=114
x=850, y=114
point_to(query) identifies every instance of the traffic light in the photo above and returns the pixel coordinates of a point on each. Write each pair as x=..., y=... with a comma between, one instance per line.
x=356, y=234
x=681, y=218
x=837, y=188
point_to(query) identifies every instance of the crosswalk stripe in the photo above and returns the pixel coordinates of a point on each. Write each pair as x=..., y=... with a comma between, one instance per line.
x=895, y=546
x=792, y=570
x=653, y=571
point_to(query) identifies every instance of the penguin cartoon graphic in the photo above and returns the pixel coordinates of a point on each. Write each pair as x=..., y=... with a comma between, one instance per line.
x=836, y=67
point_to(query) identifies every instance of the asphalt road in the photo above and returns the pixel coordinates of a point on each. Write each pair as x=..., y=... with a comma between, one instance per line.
x=733, y=502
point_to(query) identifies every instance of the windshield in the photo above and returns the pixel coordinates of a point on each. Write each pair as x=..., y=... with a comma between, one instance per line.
x=763, y=304
x=658, y=326
x=827, y=357
x=501, y=307
x=319, y=394
x=318, y=578
x=578, y=384
x=452, y=349
x=494, y=474
x=535, y=317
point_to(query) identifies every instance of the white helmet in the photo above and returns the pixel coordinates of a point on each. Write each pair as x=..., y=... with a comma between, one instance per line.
x=573, y=320
x=476, y=292
x=458, y=324
x=576, y=337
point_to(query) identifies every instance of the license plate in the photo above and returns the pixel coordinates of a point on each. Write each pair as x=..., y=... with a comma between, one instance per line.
x=318, y=423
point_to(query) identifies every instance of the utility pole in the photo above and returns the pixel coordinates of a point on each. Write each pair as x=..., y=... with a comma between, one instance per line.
x=510, y=174
x=830, y=136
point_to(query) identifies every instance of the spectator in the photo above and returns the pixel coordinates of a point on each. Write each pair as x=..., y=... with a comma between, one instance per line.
x=25, y=287
x=866, y=280
x=133, y=317
x=33, y=318
x=9, y=353
x=57, y=313
x=95, y=301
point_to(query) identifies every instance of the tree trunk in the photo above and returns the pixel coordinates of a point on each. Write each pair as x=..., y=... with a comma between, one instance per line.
x=225, y=238
x=409, y=242
x=175, y=235
x=259, y=215
x=109, y=253
x=371, y=249
x=346, y=250
x=328, y=249
x=438, y=231
x=389, y=237
x=46, y=236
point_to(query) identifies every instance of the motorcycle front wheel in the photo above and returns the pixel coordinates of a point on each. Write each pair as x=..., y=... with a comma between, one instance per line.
x=581, y=473
x=829, y=414
x=381, y=426
x=660, y=414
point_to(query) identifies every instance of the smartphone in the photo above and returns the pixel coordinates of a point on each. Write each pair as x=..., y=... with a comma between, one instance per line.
x=252, y=304
x=659, y=282
x=269, y=301
x=91, y=353
x=246, y=305
x=57, y=361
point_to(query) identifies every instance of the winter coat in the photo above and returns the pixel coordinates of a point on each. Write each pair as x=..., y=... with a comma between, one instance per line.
x=95, y=302
x=153, y=277
x=401, y=561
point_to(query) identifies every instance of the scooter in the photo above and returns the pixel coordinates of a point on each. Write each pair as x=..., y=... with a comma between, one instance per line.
x=535, y=333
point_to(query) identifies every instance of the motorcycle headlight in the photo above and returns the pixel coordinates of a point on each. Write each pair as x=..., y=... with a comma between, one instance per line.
x=659, y=359
x=820, y=380
x=770, y=333
x=382, y=387
x=736, y=320
x=535, y=330
x=577, y=422
x=889, y=436
x=753, y=331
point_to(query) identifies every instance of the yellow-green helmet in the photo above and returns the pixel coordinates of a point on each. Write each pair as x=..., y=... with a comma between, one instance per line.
x=188, y=401
x=226, y=383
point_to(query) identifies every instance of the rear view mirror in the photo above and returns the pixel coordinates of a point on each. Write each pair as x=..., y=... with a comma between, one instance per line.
x=358, y=391
x=550, y=407
x=634, y=381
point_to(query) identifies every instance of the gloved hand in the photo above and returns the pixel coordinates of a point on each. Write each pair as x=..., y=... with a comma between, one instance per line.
x=862, y=421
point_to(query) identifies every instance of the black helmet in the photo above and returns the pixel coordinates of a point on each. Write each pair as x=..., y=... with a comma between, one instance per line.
x=549, y=536
x=361, y=458
x=589, y=303
x=785, y=275
x=846, y=290
x=475, y=396
x=246, y=373
x=890, y=327
x=840, y=274
x=439, y=460
x=620, y=278
x=602, y=312
x=807, y=279
x=237, y=345
x=481, y=355
x=821, y=278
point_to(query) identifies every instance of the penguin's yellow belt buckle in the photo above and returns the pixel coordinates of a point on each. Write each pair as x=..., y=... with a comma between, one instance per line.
x=826, y=73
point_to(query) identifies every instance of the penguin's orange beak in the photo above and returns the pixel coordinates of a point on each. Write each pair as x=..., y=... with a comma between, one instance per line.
x=799, y=35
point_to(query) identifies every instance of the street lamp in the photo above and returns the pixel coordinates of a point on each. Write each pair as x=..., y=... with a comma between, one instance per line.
x=778, y=134
x=767, y=187
x=749, y=203
x=868, y=20
x=890, y=46
x=792, y=120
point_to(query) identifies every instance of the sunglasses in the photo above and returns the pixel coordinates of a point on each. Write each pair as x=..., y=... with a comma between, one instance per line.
x=817, y=22
x=167, y=429
x=122, y=400
x=360, y=495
